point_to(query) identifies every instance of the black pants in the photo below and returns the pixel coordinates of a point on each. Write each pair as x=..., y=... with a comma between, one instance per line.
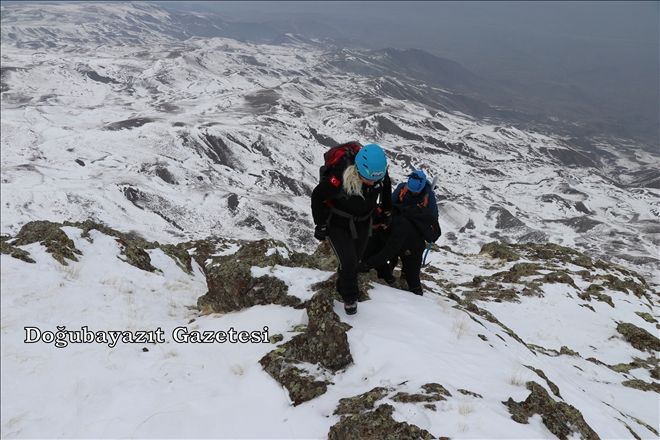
x=376, y=244
x=411, y=265
x=349, y=252
x=405, y=242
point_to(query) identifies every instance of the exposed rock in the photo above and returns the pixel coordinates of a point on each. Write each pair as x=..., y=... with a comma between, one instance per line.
x=133, y=247
x=13, y=251
x=559, y=277
x=470, y=393
x=361, y=402
x=594, y=291
x=377, y=424
x=518, y=271
x=641, y=385
x=179, y=253
x=500, y=250
x=323, y=343
x=274, y=339
x=567, y=351
x=553, y=387
x=554, y=253
x=136, y=255
x=638, y=337
x=433, y=392
x=231, y=287
x=128, y=123
x=165, y=175
x=626, y=286
x=50, y=235
x=562, y=419
x=646, y=317
x=301, y=385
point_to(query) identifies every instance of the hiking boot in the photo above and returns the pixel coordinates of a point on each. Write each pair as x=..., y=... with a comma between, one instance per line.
x=350, y=308
x=417, y=291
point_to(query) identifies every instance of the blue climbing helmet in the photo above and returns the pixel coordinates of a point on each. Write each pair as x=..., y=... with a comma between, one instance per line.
x=416, y=181
x=371, y=162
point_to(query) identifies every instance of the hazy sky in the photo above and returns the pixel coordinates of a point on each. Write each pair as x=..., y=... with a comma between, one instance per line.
x=603, y=53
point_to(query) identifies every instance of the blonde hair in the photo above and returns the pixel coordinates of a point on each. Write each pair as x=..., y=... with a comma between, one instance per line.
x=352, y=183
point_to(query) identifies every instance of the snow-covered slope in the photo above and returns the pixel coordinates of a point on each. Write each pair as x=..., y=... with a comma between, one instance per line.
x=453, y=363
x=110, y=112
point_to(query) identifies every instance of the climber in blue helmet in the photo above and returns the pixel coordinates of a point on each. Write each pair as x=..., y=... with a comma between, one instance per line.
x=343, y=205
x=414, y=224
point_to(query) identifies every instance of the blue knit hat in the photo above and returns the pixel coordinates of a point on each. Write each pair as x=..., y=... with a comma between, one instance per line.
x=416, y=181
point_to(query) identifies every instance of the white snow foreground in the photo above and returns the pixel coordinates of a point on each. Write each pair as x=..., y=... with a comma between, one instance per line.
x=398, y=341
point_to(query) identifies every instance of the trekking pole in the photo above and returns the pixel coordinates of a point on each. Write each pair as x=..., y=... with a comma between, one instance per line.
x=426, y=253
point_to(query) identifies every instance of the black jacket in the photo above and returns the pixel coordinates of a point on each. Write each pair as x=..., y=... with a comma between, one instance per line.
x=326, y=196
x=423, y=214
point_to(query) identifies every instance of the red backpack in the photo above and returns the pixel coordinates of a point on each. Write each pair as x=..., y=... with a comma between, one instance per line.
x=336, y=160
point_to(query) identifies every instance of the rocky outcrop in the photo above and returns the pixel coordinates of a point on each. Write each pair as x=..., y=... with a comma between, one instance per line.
x=323, y=344
x=562, y=419
x=231, y=287
x=638, y=337
x=376, y=424
x=51, y=237
x=13, y=251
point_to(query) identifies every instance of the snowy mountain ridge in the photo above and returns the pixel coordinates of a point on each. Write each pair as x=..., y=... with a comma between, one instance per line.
x=139, y=165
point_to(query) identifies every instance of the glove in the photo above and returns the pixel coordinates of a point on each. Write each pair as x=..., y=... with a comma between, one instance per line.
x=363, y=267
x=320, y=232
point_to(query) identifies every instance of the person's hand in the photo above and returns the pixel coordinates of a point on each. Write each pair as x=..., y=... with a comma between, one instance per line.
x=321, y=232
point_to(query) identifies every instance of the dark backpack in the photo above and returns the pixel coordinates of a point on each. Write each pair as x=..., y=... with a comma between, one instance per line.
x=336, y=159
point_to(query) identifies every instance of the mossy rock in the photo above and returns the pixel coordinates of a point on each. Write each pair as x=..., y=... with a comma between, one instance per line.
x=518, y=271
x=231, y=287
x=626, y=286
x=362, y=402
x=377, y=424
x=135, y=254
x=564, y=350
x=470, y=393
x=329, y=287
x=324, y=343
x=274, y=339
x=300, y=385
x=562, y=419
x=500, y=250
x=641, y=385
x=553, y=387
x=323, y=258
x=49, y=234
x=638, y=337
x=559, y=277
x=180, y=255
x=646, y=317
x=433, y=392
x=13, y=251
x=554, y=253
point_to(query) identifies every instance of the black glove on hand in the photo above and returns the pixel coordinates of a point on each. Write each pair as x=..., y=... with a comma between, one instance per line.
x=321, y=232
